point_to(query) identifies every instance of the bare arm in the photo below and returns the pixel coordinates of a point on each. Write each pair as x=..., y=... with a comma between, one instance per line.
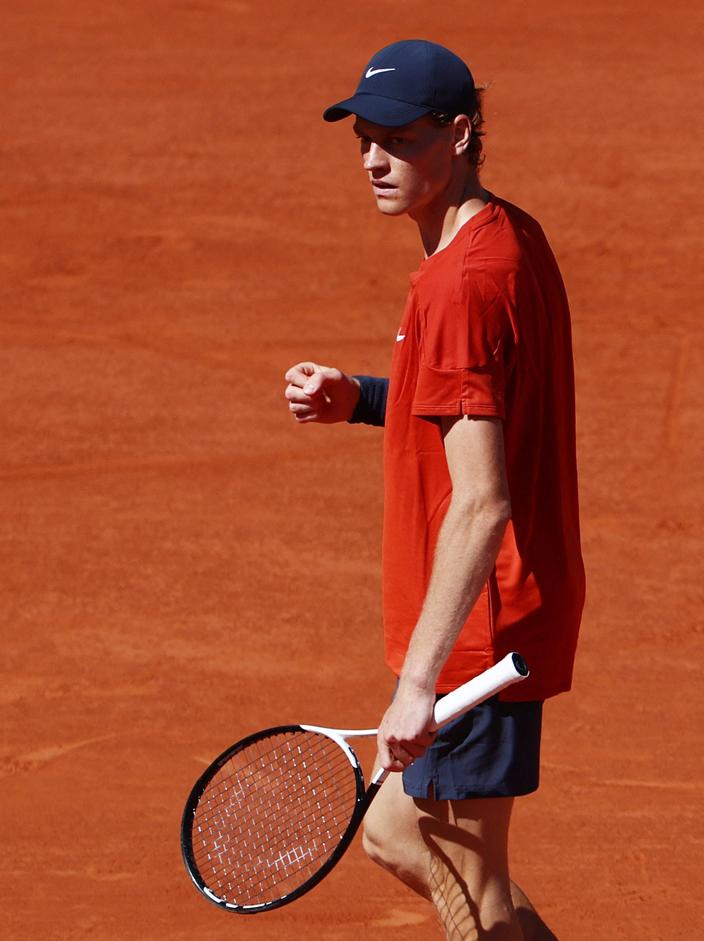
x=466, y=550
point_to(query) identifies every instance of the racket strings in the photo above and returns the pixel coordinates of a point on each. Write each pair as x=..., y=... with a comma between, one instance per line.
x=272, y=816
x=240, y=778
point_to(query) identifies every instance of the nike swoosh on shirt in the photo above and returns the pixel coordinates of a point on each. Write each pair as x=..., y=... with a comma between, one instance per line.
x=400, y=336
x=371, y=71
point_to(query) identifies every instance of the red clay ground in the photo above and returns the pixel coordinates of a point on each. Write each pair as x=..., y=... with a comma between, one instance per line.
x=181, y=564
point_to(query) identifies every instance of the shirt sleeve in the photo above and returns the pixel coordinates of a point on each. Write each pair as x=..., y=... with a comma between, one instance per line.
x=465, y=342
x=371, y=407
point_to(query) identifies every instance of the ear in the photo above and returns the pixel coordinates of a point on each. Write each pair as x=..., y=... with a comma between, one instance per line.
x=462, y=133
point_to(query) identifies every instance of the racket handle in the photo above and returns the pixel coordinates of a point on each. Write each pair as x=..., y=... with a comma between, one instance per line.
x=512, y=669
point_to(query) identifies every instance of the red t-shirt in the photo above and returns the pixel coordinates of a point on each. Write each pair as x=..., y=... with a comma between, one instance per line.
x=486, y=332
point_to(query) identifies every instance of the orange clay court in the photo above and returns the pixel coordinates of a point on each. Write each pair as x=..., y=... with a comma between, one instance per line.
x=182, y=565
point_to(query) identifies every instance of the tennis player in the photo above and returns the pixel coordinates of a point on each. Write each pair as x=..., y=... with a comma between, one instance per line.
x=481, y=549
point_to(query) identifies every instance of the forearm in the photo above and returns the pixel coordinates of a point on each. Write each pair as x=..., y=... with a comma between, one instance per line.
x=468, y=543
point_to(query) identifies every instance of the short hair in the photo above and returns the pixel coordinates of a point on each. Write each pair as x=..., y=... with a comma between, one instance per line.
x=475, y=149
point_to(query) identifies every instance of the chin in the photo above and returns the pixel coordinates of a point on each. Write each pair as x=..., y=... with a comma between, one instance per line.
x=391, y=207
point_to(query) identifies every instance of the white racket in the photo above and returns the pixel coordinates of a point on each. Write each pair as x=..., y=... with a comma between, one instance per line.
x=273, y=814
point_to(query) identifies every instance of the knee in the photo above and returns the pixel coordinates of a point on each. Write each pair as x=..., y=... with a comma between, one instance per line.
x=377, y=845
x=384, y=848
x=391, y=840
x=382, y=843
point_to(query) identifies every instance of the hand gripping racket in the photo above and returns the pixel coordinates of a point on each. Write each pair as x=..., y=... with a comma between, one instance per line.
x=274, y=813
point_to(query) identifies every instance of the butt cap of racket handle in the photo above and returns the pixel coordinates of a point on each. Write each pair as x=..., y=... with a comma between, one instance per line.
x=512, y=669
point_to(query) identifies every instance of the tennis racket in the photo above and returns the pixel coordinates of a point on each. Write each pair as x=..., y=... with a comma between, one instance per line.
x=275, y=812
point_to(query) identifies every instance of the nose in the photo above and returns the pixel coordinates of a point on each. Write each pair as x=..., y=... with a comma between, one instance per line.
x=375, y=158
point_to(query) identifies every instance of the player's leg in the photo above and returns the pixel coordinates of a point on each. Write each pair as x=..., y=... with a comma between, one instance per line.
x=453, y=853
x=391, y=837
x=394, y=838
x=468, y=873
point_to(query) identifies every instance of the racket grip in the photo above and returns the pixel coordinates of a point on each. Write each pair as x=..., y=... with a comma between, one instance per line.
x=512, y=669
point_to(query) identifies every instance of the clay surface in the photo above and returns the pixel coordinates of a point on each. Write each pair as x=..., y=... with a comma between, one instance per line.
x=181, y=564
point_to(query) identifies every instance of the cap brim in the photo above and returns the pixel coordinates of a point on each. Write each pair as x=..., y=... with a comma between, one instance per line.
x=378, y=110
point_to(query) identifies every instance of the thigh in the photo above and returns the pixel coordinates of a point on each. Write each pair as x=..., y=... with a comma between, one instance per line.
x=469, y=837
x=468, y=878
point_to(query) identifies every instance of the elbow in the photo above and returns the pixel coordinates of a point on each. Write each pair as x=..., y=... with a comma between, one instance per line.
x=492, y=510
x=498, y=514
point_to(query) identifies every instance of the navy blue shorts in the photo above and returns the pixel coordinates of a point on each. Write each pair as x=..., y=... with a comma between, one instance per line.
x=491, y=751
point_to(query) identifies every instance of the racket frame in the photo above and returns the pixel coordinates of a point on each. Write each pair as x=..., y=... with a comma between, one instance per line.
x=363, y=799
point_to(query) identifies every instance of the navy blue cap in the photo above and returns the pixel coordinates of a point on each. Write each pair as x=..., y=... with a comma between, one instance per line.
x=406, y=80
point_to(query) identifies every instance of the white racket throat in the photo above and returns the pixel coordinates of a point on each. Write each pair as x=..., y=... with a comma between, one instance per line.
x=340, y=733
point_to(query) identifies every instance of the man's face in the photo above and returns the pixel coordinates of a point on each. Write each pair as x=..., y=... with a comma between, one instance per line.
x=408, y=167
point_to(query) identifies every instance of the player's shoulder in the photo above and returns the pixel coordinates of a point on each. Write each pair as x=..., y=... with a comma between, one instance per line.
x=512, y=218
x=513, y=239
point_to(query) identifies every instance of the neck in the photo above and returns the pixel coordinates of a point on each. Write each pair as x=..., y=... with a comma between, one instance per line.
x=440, y=221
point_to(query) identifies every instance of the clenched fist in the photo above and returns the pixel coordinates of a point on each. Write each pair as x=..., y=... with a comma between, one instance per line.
x=320, y=393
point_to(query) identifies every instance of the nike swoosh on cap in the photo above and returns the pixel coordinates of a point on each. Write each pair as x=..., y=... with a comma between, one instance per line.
x=370, y=71
x=400, y=336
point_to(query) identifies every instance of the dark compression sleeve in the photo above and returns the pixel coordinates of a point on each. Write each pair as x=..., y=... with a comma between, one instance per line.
x=371, y=408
